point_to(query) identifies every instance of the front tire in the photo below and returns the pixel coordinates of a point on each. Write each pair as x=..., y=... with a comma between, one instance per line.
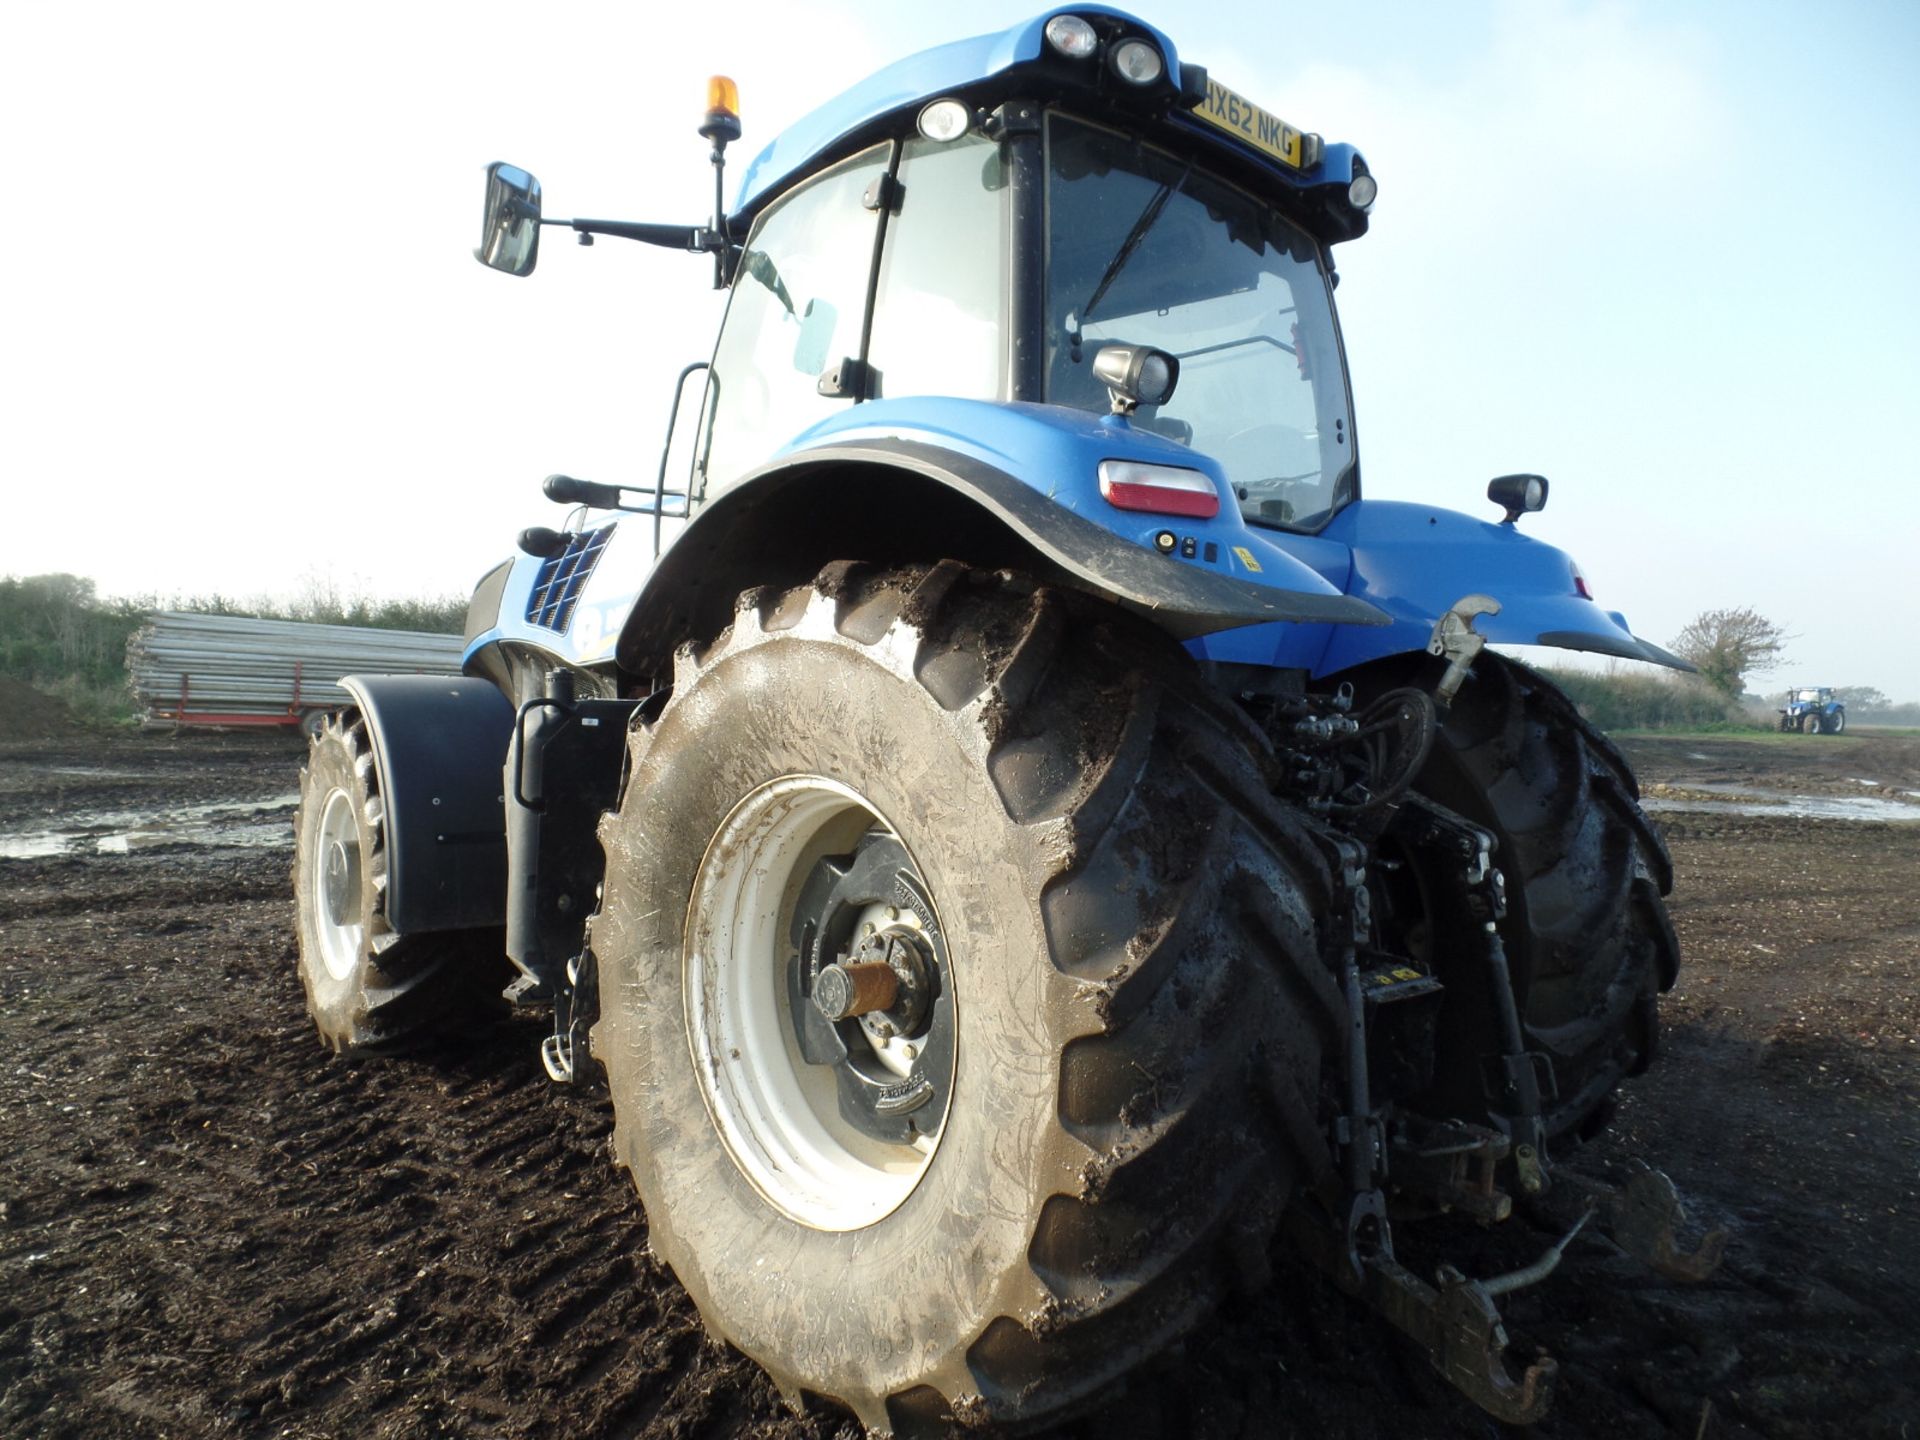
x=1120, y=918
x=369, y=989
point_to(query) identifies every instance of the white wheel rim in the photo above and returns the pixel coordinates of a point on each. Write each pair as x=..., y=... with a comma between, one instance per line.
x=336, y=880
x=777, y=1116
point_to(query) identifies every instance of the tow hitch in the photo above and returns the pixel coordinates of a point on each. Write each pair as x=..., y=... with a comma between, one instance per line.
x=1455, y=1321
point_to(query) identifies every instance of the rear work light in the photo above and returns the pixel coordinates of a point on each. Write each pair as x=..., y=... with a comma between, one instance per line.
x=1158, y=489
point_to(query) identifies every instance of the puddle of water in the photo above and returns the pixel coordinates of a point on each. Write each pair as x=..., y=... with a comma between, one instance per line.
x=1696, y=755
x=1745, y=800
x=253, y=823
x=1858, y=781
x=94, y=772
x=32, y=847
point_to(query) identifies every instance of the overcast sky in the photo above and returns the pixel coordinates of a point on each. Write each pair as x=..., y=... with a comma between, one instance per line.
x=1661, y=253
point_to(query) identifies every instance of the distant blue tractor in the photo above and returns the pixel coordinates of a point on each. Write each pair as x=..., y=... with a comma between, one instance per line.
x=1019, y=830
x=1813, y=711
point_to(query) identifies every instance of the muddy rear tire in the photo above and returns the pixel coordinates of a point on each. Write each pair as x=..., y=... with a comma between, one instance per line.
x=1124, y=924
x=1587, y=933
x=369, y=989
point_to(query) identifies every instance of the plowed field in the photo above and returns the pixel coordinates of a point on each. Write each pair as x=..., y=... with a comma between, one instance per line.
x=209, y=1227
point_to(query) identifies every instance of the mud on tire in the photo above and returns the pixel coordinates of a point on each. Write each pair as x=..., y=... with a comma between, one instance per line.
x=1129, y=931
x=1587, y=931
x=370, y=990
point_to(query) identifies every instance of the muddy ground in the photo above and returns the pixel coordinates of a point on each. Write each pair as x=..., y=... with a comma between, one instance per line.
x=210, y=1228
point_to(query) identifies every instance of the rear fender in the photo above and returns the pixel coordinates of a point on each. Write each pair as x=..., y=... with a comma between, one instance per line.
x=911, y=489
x=438, y=743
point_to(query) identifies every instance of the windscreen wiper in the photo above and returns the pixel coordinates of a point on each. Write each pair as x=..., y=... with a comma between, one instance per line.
x=1148, y=218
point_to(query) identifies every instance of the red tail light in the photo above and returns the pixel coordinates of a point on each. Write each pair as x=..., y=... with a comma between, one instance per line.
x=1158, y=489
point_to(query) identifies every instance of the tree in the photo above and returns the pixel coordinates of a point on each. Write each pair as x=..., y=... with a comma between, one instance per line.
x=1860, y=698
x=1726, y=644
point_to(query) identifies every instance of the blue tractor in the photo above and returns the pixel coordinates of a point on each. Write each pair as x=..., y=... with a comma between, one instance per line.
x=1813, y=710
x=1020, y=831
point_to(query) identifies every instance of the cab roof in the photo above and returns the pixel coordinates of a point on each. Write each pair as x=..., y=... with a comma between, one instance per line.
x=992, y=65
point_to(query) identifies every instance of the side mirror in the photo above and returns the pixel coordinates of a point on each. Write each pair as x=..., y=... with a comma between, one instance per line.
x=815, y=340
x=510, y=224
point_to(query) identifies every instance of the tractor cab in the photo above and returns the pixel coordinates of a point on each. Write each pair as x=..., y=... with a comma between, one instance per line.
x=1013, y=229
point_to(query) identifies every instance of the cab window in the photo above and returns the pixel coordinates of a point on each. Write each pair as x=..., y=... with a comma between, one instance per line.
x=797, y=310
x=938, y=316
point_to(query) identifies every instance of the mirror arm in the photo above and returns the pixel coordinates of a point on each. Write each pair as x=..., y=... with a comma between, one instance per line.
x=693, y=238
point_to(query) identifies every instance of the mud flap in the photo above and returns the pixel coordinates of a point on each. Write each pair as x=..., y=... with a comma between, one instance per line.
x=437, y=743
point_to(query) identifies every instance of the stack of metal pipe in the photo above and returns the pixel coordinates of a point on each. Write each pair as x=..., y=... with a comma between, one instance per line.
x=188, y=668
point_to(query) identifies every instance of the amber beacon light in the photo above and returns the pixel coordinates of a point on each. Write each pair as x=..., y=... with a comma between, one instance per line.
x=723, y=110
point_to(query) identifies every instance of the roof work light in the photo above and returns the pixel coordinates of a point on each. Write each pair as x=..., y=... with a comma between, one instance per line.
x=1072, y=36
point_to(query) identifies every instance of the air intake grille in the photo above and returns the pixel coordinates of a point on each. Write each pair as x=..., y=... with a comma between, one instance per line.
x=557, y=587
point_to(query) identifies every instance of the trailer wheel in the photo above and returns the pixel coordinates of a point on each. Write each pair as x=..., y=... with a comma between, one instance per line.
x=1586, y=933
x=368, y=989
x=961, y=999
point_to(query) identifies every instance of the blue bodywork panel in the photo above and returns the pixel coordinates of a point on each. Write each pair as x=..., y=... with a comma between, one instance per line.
x=1410, y=561
x=1414, y=561
x=954, y=68
x=582, y=630
x=1057, y=451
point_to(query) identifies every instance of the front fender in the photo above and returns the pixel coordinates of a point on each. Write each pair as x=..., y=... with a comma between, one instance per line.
x=1414, y=561
x=438, y=743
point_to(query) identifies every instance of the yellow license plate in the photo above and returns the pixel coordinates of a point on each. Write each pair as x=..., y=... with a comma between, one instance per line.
x=1239, y=116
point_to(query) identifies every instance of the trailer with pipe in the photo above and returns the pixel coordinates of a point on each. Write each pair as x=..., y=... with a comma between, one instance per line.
x=190, y=669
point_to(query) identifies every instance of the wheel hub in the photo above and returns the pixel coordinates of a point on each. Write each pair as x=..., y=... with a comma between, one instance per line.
x=886, y=982
x=341, y=884
x=889, y=1046
x=821, y=1021
x=335, y=878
